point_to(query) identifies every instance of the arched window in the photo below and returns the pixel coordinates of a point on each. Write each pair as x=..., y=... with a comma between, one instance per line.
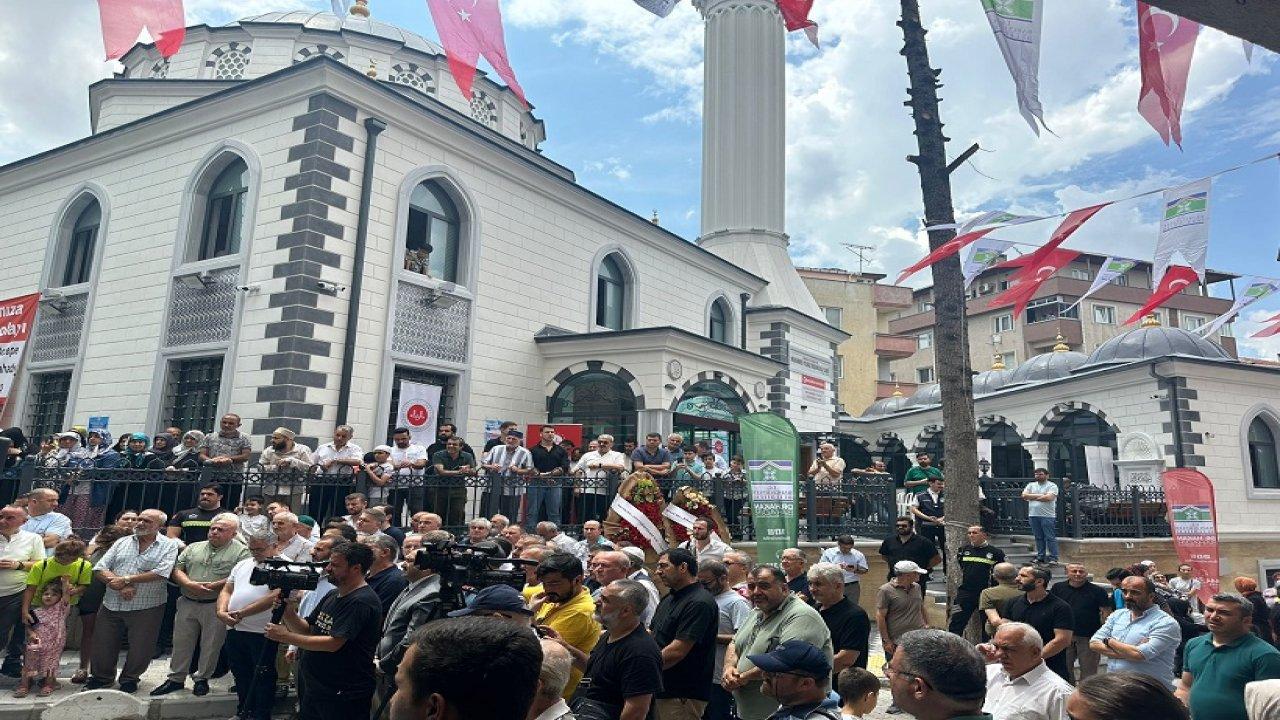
x=224, y=212
x=601, y=401
x=78, y=265
x=1262, y=455
x=433, y=236
x=1071, y=434
x=611, y=294
x=718, y=323
x=1008, y=459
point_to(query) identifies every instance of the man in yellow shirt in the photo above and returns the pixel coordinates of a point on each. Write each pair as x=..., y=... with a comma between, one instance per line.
x=566, y=607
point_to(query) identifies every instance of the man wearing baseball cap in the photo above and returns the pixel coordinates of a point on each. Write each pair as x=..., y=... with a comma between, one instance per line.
x=899, y=609
x=798, y=675
x=498, y=601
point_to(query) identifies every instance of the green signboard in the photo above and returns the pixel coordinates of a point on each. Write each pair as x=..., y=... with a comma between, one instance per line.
x=771, y=446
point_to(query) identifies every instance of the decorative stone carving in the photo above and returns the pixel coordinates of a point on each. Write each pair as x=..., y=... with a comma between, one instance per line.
x=57, y=334
x=204, y=315
x=429, y=331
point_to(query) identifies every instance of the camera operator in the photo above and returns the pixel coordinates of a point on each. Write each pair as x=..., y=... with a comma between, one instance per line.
x=468, y=669
x=416, y=606
x=311, y=598
x=337, y=640
x=245, y=609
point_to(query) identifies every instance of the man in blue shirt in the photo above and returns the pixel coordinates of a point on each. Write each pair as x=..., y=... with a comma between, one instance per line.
x=652, y=458
x=1142, y=638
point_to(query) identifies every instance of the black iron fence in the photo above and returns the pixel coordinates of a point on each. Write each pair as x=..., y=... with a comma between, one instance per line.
x=861, y=505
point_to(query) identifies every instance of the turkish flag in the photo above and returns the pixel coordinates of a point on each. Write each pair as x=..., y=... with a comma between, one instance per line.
x=469, y=29
x=1035, y=258
x=1029, y=280
x=947, y=249
x=124, y=20
x=1166, y=43
x=795, y=13
x=1175, y=278
x=1268, y=331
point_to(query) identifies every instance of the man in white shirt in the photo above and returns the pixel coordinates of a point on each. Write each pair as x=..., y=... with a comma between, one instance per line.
x=827, y=469
x=557, y=665
x=1042, y=512
x=509, y=462
x=289, y=545
x=556, y=538
x=640, y=575
x=596, y=466
x=851, y=561
x=409, y=460
x=704, y=544
x=1019, y=685
x=339, y=461
x=53, y=527
x=245, y=609
x=20, y=550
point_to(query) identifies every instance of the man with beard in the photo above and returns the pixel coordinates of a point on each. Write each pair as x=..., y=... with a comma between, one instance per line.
x=704, y=543
x=285, y=456
x=337, y=640
x=1142, y=638
x=917, y=478
x=1050, y=617
x=905, y=544
x=624, y=671
x=684, y=626
x=134, y=570
x=192, y=525
x=798, y=676
x=733, y=611
x=417, y=605
x=566, y=607
x=227, y=449
x=780, y=616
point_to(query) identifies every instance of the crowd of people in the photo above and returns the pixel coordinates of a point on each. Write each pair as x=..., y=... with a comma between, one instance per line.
x=597, y=629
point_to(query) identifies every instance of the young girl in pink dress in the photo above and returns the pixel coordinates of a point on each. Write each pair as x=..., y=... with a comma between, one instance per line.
x=45, y=640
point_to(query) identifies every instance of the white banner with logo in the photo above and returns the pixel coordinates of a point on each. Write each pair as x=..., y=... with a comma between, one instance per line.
x=1184, y=229
x=419, y=410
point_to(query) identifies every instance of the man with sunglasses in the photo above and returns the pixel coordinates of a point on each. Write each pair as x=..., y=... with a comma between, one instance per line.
x=798, y=676
x=935, y=675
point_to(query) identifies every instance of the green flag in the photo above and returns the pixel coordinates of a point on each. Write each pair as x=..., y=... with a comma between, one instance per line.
x=772, y=448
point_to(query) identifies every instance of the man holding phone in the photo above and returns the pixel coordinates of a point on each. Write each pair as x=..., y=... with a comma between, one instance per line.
x=851, y=561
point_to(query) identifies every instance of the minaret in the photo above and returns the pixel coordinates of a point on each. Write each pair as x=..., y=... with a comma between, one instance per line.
x=744, y=146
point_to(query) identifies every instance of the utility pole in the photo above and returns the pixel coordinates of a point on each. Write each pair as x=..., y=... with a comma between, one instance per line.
x=951, y=336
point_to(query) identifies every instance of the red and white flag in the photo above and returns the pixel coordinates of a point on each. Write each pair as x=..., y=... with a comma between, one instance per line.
x=795, y=14
x=17, y=316
x=1166, y=43
x=1034, y=259
x=1031, y=277
x=124, y=20
x=1267, y=331
x=469, y=29
x=1174, y=280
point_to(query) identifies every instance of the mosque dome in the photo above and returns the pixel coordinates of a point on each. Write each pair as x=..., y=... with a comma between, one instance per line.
x=886, y=406
x=1049, y=366
x=1153, y=340
x=328, y=22
x=989, y=381
x=925, y=396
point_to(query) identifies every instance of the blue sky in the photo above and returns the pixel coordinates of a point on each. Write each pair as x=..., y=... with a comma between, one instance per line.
x=620, y=93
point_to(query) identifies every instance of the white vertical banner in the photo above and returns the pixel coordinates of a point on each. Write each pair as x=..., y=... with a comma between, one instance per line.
x=1100, y=466
x=1184, y=229
x=1016, y=24
x=419, y=410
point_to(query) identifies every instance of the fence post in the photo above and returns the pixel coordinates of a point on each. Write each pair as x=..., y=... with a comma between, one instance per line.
x=1076, y=519
x=1136, y=497
x=495, y=491
x=717, y=491
x=26, y=477
x=811, y=509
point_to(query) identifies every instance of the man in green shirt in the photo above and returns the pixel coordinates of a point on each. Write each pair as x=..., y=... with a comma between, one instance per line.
x=918, y=477
x=1217, y=666
x=935, y=675
x=779, y=616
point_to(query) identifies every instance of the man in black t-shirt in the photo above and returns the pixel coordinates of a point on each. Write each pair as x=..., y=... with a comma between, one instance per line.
x=192, y=525
x=624, y=671
x=848, y=623
x=905, y=544
x=685, y=626
x=1050, y=617
x=337, y=640
x=1090, y=606
x=976, y=558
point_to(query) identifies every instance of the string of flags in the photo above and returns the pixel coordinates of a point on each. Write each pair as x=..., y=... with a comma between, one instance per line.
x=1166, y=44
x=795, y=14
x=1179, y=259
x=124, y=20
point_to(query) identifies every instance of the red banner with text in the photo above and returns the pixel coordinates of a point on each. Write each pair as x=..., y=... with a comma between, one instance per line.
x=1189, y=495
x=17, y=315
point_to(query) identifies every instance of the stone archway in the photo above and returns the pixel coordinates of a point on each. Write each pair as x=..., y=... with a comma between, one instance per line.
x=713, y=376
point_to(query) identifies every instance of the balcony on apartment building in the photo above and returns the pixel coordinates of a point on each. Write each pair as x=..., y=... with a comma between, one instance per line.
x=896, y=347
x=1042, y=336
x=886, y=297
x=885, y=388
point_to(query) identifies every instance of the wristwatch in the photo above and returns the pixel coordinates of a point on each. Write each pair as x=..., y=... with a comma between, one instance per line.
x=1106, y=642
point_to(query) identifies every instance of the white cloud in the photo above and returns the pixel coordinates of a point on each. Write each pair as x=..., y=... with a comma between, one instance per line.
x=611, y=167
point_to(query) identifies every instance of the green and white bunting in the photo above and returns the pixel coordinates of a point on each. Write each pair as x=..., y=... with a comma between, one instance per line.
x=1016, y=24
x=1111, y=269
x=1257, y=289
x=983, y=253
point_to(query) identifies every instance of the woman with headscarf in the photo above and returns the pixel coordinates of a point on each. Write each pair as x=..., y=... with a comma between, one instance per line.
x=89, y=493
x=136, y=456
x=1248, y=587
x=184, y=467
x=17, y=450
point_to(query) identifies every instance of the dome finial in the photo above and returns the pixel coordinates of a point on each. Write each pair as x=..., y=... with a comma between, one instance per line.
x=997, y=362
x=897, y=390
x=1061, y=345
x=360, y=8
x=655, y=219
x=1151, y=321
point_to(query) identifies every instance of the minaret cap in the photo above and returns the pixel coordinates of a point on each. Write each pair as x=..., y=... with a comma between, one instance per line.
x=655, y=219
x=1061, y=346
x=1151, y=321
